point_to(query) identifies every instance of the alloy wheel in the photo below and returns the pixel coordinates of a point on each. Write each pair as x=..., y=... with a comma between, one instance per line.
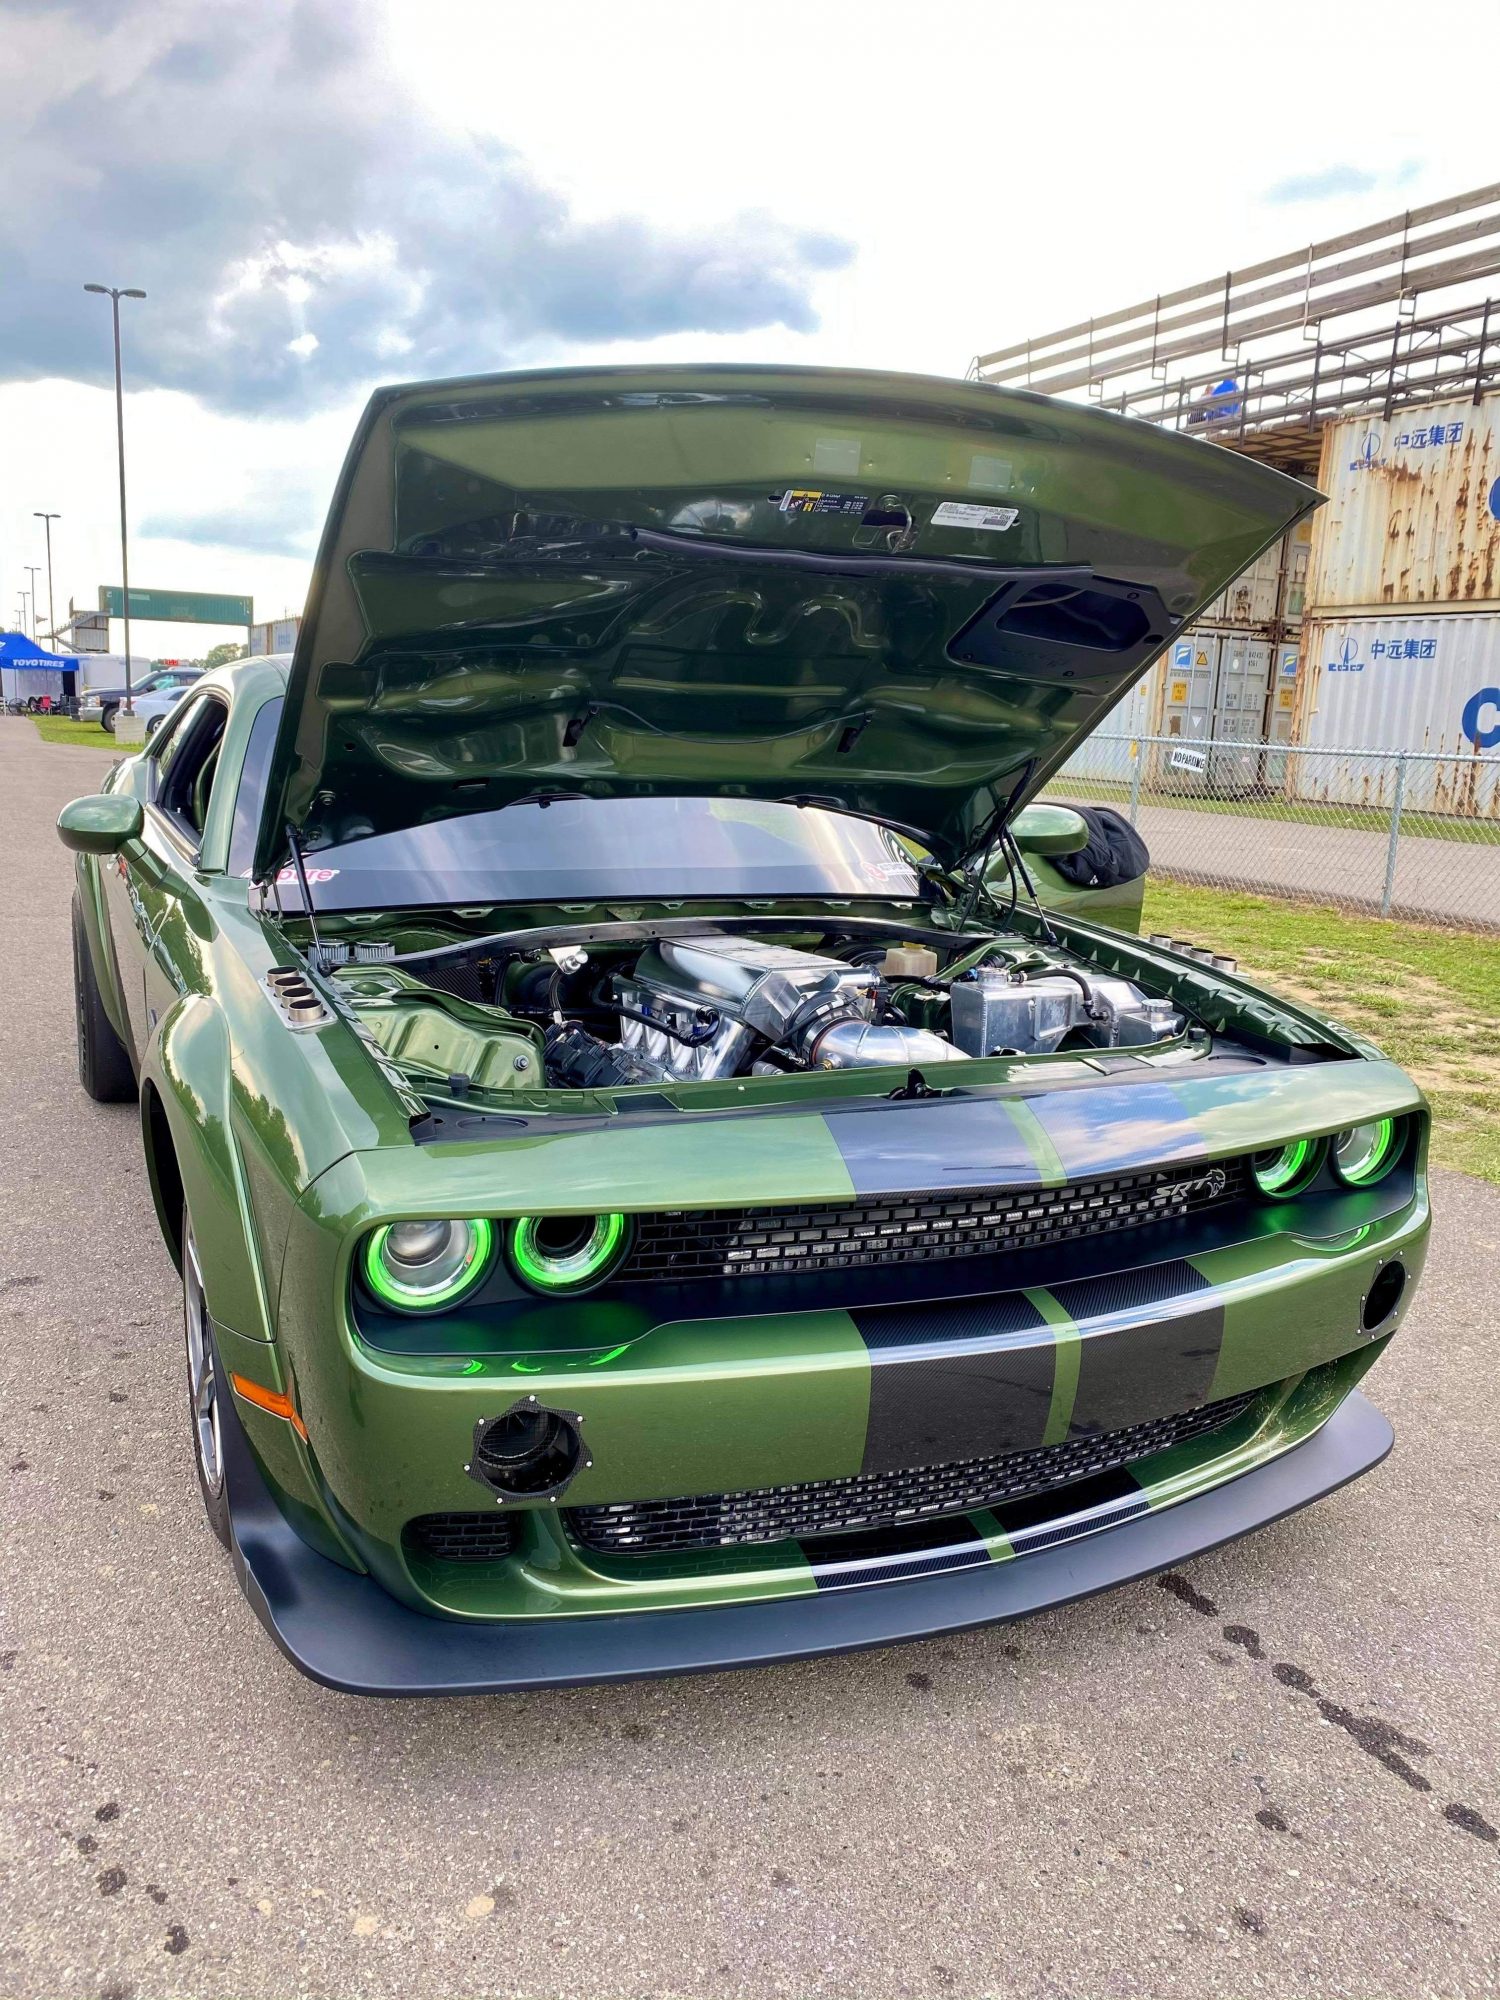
x=203, y=1381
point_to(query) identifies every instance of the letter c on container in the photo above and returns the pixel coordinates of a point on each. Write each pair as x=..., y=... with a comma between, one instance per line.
x=1474, y=732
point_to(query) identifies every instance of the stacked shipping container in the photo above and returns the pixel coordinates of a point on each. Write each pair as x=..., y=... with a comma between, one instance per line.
x=1375, y=627
x=1401, y=644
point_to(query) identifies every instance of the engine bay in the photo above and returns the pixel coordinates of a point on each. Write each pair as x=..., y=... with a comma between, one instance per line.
x=714, y=1004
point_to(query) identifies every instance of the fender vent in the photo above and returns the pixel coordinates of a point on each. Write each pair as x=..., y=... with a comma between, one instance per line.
x=294, y=998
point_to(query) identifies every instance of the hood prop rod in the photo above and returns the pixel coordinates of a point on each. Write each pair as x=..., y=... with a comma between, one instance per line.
x=306, y=890
x=1014, y=855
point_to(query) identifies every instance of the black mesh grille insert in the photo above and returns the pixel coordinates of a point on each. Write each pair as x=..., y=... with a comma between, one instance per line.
x=463, y=1537
x=879, y=1500
x=900, y=1229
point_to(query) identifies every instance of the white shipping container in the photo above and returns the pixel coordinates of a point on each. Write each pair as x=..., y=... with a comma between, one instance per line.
x=1271, y=588
x=1426, y=682
x=274, y=635
x=1132, y=718
x=1413, y=513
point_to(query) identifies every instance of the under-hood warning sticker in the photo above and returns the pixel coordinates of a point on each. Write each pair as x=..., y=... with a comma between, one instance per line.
x=808, y=500
x=964, y=514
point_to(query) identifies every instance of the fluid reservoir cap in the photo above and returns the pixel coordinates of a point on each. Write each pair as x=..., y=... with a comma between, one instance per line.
x=910, y=961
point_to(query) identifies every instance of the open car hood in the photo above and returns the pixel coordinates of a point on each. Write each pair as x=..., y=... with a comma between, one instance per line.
x=904, y=597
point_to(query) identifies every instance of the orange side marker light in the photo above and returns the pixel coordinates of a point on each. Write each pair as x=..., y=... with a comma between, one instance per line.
x=270, y=1400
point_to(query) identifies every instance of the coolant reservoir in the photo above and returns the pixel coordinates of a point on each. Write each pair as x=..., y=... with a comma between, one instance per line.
x=910, y=961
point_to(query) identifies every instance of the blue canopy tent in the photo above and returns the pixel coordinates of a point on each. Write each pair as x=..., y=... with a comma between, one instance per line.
x=27, y=669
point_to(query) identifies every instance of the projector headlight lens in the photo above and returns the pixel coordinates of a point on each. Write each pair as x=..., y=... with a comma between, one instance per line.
x=1287, y=1171
x=566, y=1253
x=419, y=1266
x=1366, y=1153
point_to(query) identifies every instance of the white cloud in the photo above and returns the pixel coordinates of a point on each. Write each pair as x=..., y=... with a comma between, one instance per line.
x=1000, y=171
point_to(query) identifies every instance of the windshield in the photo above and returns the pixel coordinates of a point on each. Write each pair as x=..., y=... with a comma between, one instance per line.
x=588, y=849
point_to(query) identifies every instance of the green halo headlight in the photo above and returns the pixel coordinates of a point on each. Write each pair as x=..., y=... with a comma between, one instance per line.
x=1288, y=1170
x=419, y=1266
x=566, y=1253
x=1366, y=1153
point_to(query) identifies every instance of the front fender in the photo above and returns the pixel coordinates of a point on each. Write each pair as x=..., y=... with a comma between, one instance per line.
x=240, y=1214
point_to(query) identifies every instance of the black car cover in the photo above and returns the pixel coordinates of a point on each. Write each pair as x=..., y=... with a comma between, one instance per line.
x=1115, y=852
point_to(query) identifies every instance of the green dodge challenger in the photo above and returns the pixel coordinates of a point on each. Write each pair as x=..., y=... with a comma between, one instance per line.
x=664, y=1173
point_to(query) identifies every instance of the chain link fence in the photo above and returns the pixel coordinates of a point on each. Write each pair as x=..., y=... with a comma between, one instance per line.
x=1397, y=833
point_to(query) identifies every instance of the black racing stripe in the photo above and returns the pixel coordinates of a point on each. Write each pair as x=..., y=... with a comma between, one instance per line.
x=961, y=1378
x=1148, y=1350
x=917, y=1147
x=1119, y=1127
x=885, y=1555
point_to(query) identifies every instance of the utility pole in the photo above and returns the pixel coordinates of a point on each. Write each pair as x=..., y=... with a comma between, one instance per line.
x=114, y=294
x=32, y=570
x=47, y=520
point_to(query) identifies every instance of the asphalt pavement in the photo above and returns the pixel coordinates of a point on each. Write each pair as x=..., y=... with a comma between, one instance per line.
x=1275, y=1773
x=1447, y=881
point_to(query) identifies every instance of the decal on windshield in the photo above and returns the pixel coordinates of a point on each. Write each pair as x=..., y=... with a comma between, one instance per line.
x=288, y=875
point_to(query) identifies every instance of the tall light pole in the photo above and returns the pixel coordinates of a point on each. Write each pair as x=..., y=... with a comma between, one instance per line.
x=47, y=520
x=31, y=570
x=114, y=293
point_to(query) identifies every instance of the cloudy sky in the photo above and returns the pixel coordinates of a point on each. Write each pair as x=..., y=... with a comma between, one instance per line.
x=321, y=195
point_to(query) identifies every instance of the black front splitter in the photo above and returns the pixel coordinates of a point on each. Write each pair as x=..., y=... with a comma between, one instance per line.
x=347, y=1632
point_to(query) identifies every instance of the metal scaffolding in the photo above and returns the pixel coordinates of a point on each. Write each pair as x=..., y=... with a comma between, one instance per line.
x=1261, y=358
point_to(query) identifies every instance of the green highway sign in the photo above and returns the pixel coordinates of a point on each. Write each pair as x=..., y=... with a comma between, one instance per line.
x=178, y=607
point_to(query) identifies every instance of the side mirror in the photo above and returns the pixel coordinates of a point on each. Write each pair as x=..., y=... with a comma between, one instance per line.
x=101, y=824
x=1049, y=830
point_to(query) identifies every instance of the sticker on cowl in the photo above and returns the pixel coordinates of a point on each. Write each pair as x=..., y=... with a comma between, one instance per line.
x=964, y=514
x=808, y=500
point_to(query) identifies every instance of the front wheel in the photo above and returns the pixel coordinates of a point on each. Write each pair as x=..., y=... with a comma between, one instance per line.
x=204, y=1389
x=103, y=1061
x=107, y=718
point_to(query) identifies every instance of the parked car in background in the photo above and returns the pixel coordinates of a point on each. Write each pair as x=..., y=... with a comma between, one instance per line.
x=653, y=1187
x=102, y=705
x=154, y=708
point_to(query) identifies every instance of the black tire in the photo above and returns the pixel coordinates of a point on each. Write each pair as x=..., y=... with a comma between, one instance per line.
x=103, y=1061
x=152, y=726
x=107, y=718
x=205, y=1387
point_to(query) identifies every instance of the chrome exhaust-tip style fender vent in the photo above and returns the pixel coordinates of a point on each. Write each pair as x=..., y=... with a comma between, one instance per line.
x=294, y=998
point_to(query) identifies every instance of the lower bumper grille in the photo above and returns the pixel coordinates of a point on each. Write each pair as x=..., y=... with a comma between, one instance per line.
x=903, y=1229
x=463, y=1537
x=879, y=1500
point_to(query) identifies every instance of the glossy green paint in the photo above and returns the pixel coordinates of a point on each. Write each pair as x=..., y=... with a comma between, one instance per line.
x=485, y=611
x=102, y=824
x=1118, y=905
x=289, y=1147
x=1040, y=829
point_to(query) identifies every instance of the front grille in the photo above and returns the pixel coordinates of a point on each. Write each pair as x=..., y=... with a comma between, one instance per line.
x=463, y=1537
x=881, y=1499
x=901, y=1229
